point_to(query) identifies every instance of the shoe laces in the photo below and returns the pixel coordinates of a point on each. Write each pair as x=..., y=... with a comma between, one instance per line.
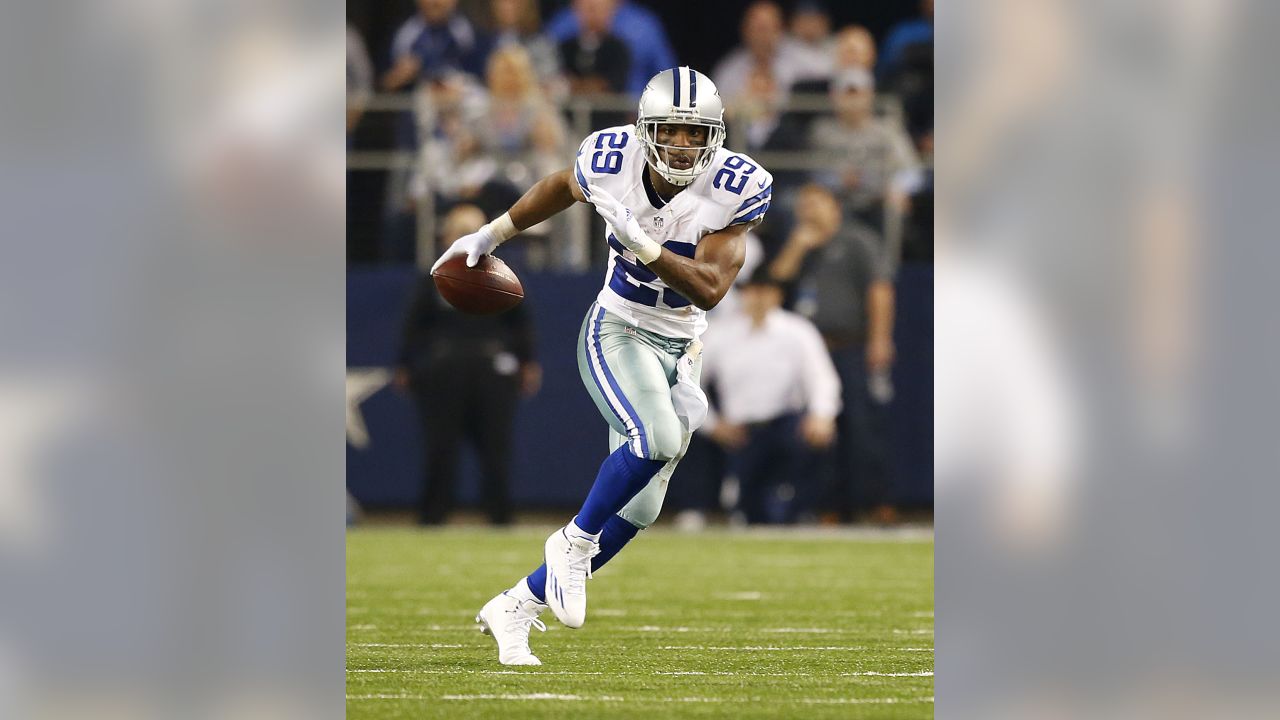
x=580, y=565
x=523, y=620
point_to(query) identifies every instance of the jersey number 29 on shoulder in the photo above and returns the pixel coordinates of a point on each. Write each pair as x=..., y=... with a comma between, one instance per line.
x=609, y=162
x=733, y=182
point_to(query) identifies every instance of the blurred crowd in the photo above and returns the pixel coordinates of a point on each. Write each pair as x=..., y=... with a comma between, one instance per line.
x=842, y=117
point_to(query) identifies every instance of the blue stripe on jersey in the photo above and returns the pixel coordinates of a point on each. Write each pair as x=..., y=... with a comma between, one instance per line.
x=673, y=299
x=763, y=195
x=616, y=244
x=683, y=249
x=582, y=181
x=751, y=215
x=627, y=289
x=693, y=89
x=645, y=294
x=675, y=85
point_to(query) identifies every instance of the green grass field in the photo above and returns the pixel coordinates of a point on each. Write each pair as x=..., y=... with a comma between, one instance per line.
x=719, y=624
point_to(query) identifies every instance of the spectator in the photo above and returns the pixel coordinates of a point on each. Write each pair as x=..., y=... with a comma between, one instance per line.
x=454, y=165
x=903, y=38
x=595, y=60
x=516, y=22
x=757, y=116
x=763, y=42
x=465, y=372
x=811, y=27
x=906, y=69
x=852, y=49
x=778, y=397
x=842, y=281
x=519, y=119
x=359, y=78
x=436, y=40
x=523, y=133
x=855, y=48
x=636, y=26
x=874, y=161
x=430, y=52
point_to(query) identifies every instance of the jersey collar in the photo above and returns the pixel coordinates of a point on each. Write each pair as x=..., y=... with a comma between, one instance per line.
x=654, y=198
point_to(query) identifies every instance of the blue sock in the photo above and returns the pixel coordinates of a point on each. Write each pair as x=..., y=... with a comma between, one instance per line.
x=537, y=581
x=621, y=476
x=616, y=533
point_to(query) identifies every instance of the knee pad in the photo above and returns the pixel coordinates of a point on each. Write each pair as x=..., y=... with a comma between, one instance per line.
x=665, y=437
x=643, y=509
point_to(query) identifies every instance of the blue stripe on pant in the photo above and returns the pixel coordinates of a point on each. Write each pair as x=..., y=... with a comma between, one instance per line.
x=629, y=374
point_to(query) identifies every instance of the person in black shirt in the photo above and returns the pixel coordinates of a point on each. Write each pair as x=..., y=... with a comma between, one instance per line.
x=596, y=61
x=466, y=374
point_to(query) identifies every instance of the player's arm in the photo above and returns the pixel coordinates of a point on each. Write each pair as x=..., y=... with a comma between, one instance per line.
x=708, y=275
x=547, y=197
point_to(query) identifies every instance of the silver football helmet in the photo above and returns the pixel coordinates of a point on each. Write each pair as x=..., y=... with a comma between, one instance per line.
x=680, y=96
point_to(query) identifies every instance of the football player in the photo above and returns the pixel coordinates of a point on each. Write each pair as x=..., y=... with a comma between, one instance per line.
x=676, y=205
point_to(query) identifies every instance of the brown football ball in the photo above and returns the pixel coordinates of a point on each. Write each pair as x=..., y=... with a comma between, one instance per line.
x=486, y=289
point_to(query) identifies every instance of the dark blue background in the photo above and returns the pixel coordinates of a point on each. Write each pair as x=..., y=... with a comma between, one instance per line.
x=560, y=438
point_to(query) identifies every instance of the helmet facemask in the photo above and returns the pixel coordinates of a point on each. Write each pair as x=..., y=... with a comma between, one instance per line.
x=659, y=156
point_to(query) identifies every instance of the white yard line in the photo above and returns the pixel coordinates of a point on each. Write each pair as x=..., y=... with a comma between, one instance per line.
x=747, y=595
x=538, y=673
x=615, y=698
x=774, y=648
x=430, y=671
x=408, y=645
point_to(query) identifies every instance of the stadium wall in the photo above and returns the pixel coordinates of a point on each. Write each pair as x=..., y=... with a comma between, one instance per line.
x=560, y=423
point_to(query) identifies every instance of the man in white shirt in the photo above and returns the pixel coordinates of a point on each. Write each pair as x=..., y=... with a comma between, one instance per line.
x=778, y=396
x=764, y=42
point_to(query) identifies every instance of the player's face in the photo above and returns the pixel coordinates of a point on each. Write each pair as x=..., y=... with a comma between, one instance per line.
x=682, y=144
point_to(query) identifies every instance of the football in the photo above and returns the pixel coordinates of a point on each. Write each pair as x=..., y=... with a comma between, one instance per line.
x=486, y=289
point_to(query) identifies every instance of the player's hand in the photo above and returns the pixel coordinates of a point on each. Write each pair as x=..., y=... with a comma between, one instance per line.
x=808, y=237
x=729, y=436
x=401, y=379
x=530, y=378
x=880, y=354
x=819, y=432
x=624, y=225
x=480, y=242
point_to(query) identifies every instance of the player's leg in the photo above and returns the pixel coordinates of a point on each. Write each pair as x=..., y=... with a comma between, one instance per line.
x=752, y=466
x=629, y=378
x=441, y=406
x=494, y=416
x=629, y=375
x=639, y=513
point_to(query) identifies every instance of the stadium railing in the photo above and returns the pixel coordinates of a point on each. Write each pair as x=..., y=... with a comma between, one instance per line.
x=573, y=251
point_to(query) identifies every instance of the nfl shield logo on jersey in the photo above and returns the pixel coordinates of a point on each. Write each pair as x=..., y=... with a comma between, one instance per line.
x=657, y=222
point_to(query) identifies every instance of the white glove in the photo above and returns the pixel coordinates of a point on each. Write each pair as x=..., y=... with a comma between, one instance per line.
x=481, y=242
x=686, y=396
x=624, y=225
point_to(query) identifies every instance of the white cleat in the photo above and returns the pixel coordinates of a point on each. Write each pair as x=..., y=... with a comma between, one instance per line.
x=508, y=620
x=568, y=561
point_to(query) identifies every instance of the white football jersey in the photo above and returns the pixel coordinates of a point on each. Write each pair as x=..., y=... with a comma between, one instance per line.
x=733, y=190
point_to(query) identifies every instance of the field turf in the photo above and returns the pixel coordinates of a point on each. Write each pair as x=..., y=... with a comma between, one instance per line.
x=719, y=624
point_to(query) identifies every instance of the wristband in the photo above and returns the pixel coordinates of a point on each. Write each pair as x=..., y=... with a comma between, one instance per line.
x=502, y=229
x=645, y=248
